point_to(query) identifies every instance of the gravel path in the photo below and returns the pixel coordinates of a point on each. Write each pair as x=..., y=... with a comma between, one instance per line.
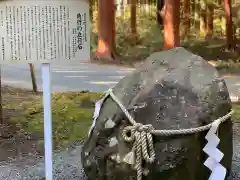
x=67, y=165
x=235, y=174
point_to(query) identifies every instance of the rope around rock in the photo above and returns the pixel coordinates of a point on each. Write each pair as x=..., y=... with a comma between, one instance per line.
x=141, y=137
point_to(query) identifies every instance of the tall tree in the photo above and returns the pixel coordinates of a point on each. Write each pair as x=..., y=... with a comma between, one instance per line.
x=171, y=23
x=186, y=16
x=210, y=15
x=133, y=18
x=197, y=15
x=203, y=18
x=229, y=24
x=160, y=5
x=91, y=4
x=106, y=29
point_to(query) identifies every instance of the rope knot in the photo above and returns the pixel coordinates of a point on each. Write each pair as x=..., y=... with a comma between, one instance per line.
x=141, y=137
x=139, y=127
x=142, y=128
x=142, y=149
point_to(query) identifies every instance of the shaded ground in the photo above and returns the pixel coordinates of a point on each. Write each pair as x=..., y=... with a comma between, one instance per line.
x=22, y=132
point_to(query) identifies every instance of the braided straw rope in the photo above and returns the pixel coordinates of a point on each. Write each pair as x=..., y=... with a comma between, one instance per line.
x=141, y=136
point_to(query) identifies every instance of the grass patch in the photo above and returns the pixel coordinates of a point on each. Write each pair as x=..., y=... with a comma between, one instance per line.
x=236, y=115
x=71, y=114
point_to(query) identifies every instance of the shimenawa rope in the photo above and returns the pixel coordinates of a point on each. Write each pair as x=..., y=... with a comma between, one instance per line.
x=141, y=137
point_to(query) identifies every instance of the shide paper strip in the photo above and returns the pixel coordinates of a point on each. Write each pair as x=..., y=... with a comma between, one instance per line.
x=215, y=155
x=98, y=106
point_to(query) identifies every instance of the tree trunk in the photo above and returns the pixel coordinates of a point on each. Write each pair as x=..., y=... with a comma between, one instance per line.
x=192, y=11
x=123, y=4
x=91, y=4
x=133, y=18
x=203, y=19
x=160, y=5
x=33, y=77
x=229, y=24
x=171, y=24
x=210, y=13
x=197, y=15
x=186, y=16
x=147, y=7
x=106, y=29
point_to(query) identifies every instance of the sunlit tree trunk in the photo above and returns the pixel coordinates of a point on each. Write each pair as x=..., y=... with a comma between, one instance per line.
x=229, y=24
x=203, y=19
x=171, y=23
x=133, y=18
x=145, y=6
x=123, y=4
x=210, y=13
x=91, y=4
x=186, y=16
x=106, y=29
x=236, y=26
x=197, y=15
x=192, y=11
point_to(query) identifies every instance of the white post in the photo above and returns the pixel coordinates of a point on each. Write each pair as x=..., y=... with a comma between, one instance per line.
x=46, y=80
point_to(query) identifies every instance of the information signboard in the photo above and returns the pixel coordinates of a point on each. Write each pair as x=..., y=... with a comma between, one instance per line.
x=44, y=31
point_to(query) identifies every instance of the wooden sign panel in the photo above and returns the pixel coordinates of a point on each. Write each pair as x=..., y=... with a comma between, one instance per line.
x=44, y=31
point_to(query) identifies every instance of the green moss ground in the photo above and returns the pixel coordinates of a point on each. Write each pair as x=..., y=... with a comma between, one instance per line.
x=71, y=114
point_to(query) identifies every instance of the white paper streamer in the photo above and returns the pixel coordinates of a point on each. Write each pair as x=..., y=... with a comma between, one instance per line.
x=215, y=155
x=98, y=106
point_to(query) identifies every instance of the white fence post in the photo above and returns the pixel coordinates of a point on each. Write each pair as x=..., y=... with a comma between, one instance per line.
x=46, y=80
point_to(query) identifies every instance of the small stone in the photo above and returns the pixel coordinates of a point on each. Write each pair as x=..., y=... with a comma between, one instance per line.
x=129, y=158
x=113, y=141
x=109, y=124
x=113, y=157
x=88, y=163
x=118, y=159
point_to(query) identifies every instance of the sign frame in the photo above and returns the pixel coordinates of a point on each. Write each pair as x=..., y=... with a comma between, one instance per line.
x=12, y=38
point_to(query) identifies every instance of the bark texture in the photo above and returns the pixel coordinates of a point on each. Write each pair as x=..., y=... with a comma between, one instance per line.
x=106, y=29
x=171, y=24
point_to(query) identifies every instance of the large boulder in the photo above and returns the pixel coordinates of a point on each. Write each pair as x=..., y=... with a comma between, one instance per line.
x=173, y=89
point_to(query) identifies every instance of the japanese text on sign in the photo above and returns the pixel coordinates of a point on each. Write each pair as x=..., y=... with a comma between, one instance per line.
x=44, y=31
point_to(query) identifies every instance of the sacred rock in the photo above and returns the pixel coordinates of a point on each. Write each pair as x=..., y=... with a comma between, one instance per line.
x=172, y=90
